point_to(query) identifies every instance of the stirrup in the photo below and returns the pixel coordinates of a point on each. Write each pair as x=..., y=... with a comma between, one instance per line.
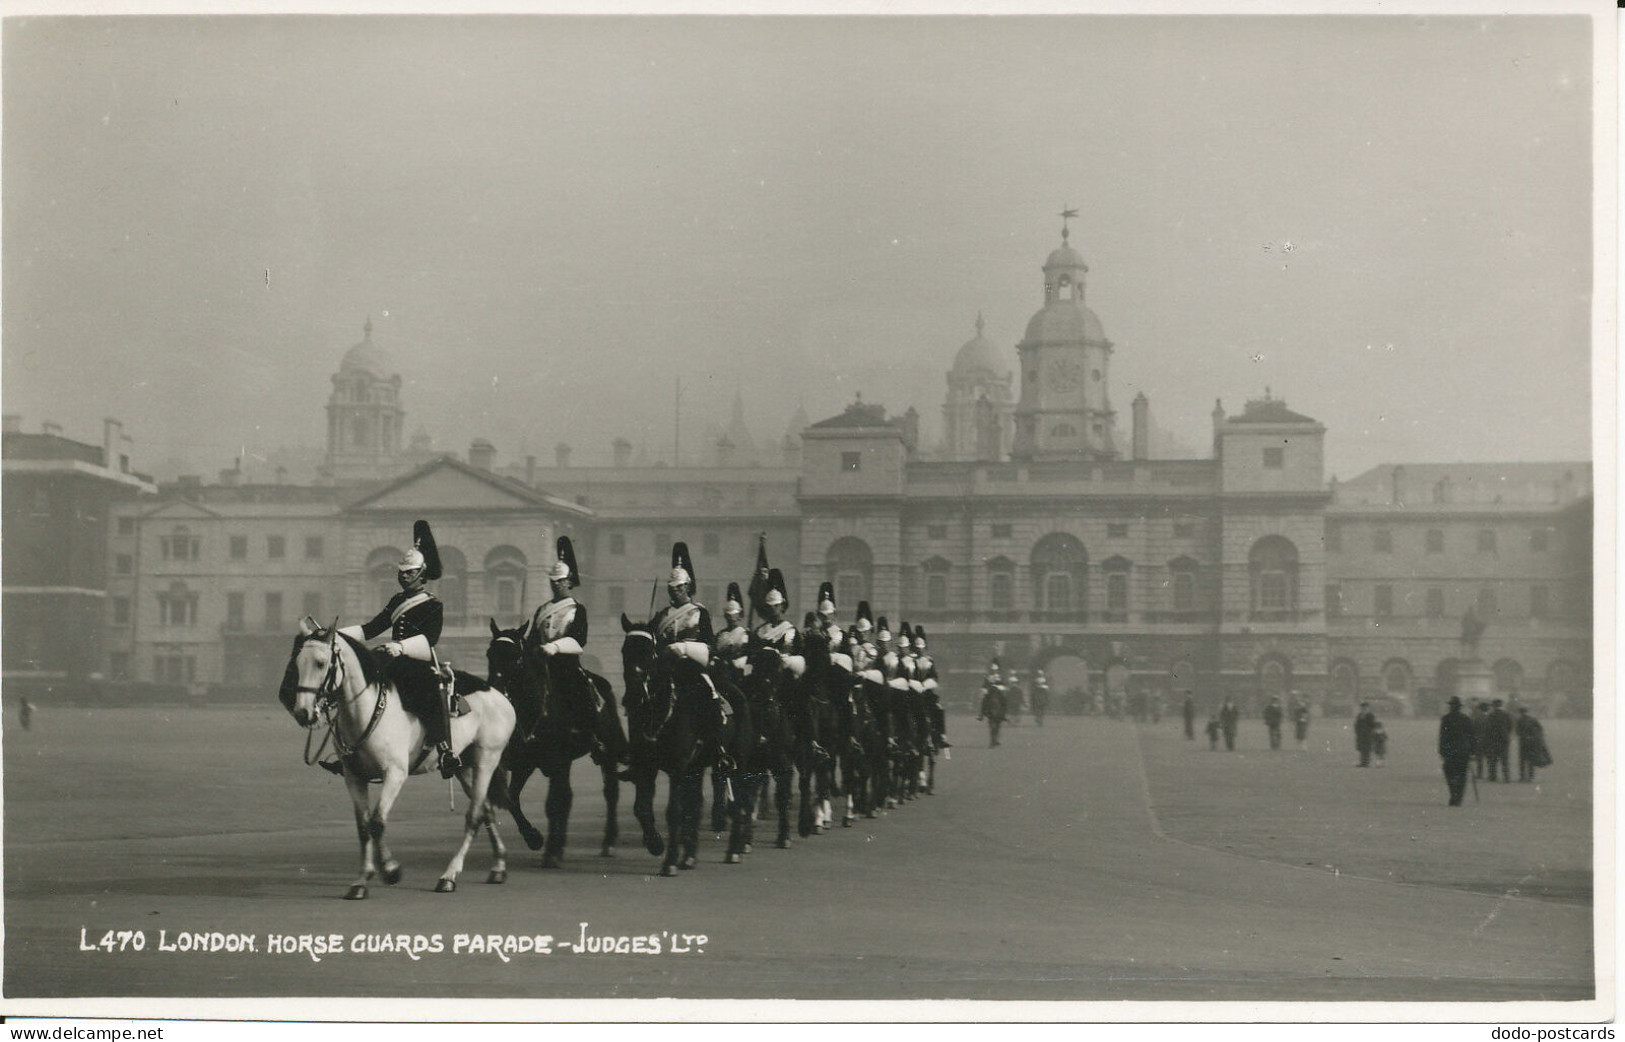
x=449, y=764
x=332, y=766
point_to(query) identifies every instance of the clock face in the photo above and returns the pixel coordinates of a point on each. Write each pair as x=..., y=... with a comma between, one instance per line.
x=1065, y=375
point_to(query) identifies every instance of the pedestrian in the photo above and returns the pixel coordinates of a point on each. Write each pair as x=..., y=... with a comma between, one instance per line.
x=1456, y=745
x=1481, y=736
x=1213, y=730
x=1300, y=723
x=1273, y=716
x=25, y=713
x=993, y=704
x=1379, y=743
x=1040, y=696
x=1363, y=722
x=1189, y=709
x=1228, y=716
x=1532, y=751
x=1498, y=731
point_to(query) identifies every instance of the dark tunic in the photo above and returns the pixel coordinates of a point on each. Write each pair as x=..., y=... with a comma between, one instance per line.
x=412, y=613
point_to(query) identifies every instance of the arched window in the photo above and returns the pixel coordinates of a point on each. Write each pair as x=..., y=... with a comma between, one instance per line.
x=381, y=577
x=1508, y=677
x=1117, y=570
x=452, y=586
x=850, y=566
x=1060, y=569
x=1274, y=677
x=936, y=572
x=505, y=586
x=1182, y=585
x=1273, y=564
x=1001, y=584
x=1344, y=682
x=1397, y=678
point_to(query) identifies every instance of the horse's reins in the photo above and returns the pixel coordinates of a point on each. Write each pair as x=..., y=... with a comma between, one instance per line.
x=327, y=700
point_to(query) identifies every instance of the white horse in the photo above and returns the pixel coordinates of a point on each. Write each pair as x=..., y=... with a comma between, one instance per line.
x=332, y=674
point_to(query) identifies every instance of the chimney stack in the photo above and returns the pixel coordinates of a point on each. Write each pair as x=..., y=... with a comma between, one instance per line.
x=481, y=454
x=561, y=454
x=112, y=432
x=1142, y=427
x=623, y=452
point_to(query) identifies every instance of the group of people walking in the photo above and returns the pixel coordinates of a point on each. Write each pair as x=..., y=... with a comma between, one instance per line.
x=1002, y=699
x=1484, y=739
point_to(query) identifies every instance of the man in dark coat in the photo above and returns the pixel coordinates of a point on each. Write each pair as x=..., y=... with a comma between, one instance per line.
x=1456, y=745
x=1365, y=723
x=1300, y=722
x=1228, y=717
x=1532, y=751
x=1273, y=717
x=1481, y=736
x=1498, y=732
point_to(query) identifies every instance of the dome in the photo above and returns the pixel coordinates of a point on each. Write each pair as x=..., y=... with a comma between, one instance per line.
x=1065, y=321
x=979, y=355
x=1065, y=257
x=368, y=357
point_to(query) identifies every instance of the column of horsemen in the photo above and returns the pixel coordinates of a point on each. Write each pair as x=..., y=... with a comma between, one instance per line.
x=853, y=709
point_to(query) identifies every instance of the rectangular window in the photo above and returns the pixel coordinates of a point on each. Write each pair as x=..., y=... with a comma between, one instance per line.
x=1272, y=588
x=1334, y=538
x=617, y=544
x=1539, y=540
x=1117, y=530
x=273, y=611
x=1435, y=541
x=239, y=548
x=124, y=564
x=936, y=591
x=177, y=609
x=1001, y=531
x=311, y=604
x=507, y=596
x=1435, y=606
x=1334, y=599
x=1540, y=602
x=1184, y=592
x=1382, y=541
x=851, y=460
x=1184, y=529
x=712, y=543
x=1117, y=592
x=936, y=531
x=121, y=611
x=1001, y=586
x=118, y=664
x=616, y=596
x=1487, y=603
x=1274, y=459
x=1384, y=601
x=234, y=612
x=126, y=526
x=1486, y=540
x=276, y=547
x=313, y=547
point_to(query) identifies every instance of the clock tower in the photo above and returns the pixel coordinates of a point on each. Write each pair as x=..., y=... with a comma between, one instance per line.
x=1064, y=411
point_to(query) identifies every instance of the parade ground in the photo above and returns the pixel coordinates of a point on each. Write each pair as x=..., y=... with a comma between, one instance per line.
x=1089, y=859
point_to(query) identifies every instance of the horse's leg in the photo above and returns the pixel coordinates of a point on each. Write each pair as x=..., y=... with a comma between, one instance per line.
x=693, y=808
x=719, y=801
x=674, y=823
x=806, y=820
x=559, y=799
x=357, y=788
x=612, y=802
x=476, y=781
x=782, y=780
x=499, y=852
x=521, y=775
x=643, y=809
x=388, y=868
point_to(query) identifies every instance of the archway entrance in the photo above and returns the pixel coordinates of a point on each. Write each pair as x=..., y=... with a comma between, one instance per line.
x=1068, y=683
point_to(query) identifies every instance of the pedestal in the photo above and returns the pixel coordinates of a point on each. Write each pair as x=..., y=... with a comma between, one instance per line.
x=1475, y=682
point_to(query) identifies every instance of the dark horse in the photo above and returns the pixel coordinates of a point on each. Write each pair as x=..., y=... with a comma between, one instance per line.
x=771, y=692
x=819, y=720
x=667, y=708
x=546, y=738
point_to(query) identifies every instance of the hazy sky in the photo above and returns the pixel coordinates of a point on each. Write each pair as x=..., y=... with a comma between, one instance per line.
x=549, y=218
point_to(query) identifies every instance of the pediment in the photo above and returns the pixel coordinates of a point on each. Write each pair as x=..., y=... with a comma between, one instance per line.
x=444, y=486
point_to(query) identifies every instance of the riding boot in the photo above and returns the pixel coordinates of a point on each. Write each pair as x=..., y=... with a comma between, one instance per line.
x=449, y=763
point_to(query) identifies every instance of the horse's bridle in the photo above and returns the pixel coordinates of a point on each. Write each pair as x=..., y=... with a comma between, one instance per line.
x=327, y=700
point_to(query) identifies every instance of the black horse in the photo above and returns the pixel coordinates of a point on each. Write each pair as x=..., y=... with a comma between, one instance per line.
x=819, y=725
x=667, y=705
x=547, y=738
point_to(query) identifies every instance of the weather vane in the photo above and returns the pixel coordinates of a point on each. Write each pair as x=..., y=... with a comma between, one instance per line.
x=1067, y=213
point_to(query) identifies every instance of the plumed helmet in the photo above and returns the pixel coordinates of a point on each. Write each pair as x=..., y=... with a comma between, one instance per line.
x=865, y=620
x=904, y=637
x=919, y=637
x=776, y=593
x=826, y=598
x=423, y=554
x=735, y=604
x=882, y=631
x=682, y=567
x=565, y=567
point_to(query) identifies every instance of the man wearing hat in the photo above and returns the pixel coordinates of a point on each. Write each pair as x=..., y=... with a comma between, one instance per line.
x=925, y=676
x=776, y=631
x=412, y=620
x=558, y=631
x=1456, y=749
x=733, y=643
x=860, y=640
x=683, y=635
x=832, y=631
x=1040, y=696
x=993, y=703
x=1498, y=731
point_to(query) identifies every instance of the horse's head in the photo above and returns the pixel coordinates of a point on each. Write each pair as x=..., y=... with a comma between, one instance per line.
x=506, y=663
x=314, y=674
x=637, y=652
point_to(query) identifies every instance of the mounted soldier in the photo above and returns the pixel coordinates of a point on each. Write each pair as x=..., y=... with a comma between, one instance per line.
x=684, y=639
x=733, y=642
x=412, y=620
x=925, y=674
x=860, y=641
x=832, y=631
x=558, y=635
x=776, y=631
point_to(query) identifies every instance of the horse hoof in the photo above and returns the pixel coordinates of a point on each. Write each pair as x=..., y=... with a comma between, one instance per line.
x=847, y=821
x=445, y=886
x=784, y=842
x=870, y=814
x=391, y=873
x=749, y=848
x=732, y=859
x=668, y=870
x=535, y=840
x=356, y=893
x=654, y=845
x=498, y=875
x=552, y=861
x=688, y=863
x=607, y=851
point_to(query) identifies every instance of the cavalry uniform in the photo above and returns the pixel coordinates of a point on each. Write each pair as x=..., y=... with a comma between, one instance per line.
x=865, y=655
x=683, y=634
x=558, y=631
x=733, y=643
x=925, y=674
x=833, y=634
x=778, y=633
